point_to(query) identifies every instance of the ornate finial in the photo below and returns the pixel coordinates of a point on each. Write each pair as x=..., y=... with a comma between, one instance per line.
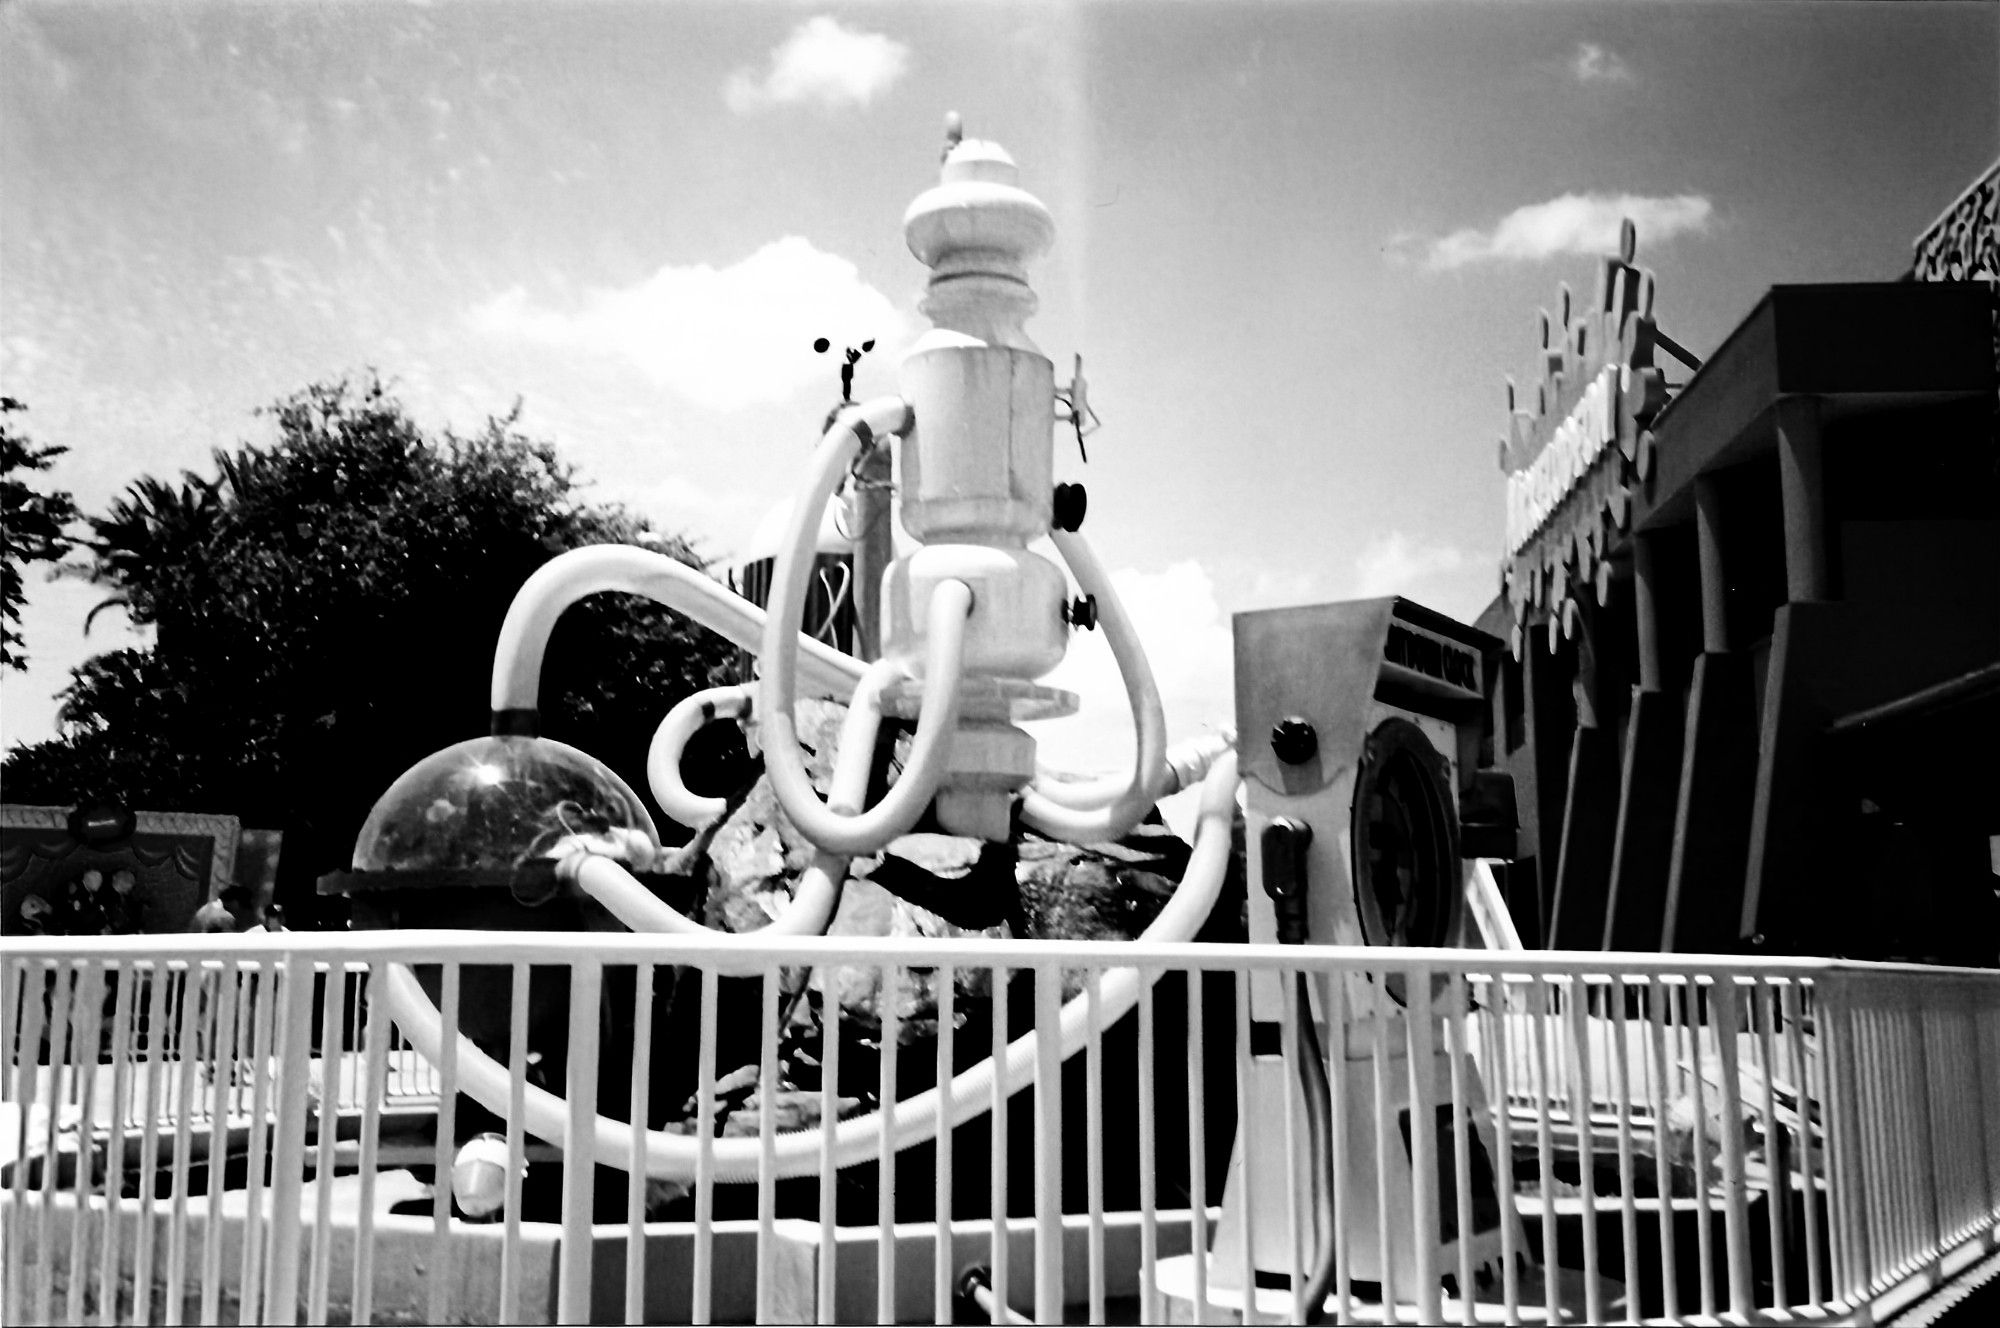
x=1628, y=240
x=954, y=131
x=977, y=221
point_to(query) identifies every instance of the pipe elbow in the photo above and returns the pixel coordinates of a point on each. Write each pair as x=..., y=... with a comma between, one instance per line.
x=890, y=416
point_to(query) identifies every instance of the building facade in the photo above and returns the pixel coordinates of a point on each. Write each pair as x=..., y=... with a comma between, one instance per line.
x=1753, y=609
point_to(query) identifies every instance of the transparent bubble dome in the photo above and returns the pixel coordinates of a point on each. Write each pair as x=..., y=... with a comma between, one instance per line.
x=500, y=803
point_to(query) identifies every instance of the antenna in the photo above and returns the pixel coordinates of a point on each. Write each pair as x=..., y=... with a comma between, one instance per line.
x=820, y=347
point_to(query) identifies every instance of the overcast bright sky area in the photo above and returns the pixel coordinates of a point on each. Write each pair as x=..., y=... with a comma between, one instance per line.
x=1299, y=247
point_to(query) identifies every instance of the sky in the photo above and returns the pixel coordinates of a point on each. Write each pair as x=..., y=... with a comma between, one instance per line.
x=1299, y=247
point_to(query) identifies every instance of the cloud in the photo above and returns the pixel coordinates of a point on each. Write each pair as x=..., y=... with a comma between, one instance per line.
x=20, y=356
x=673, y=501
x=822, y=62
x=1395, y=564
x=723, y=338
x=1599, y=64
x=1188, y=644
x=1571, y=224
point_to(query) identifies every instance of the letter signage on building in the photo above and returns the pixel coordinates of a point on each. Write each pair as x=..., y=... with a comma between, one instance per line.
x=1576, y=439
x=1591, y=426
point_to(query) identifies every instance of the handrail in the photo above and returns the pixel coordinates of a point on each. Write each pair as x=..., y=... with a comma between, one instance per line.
x=1865, y=1095
x=424, y=945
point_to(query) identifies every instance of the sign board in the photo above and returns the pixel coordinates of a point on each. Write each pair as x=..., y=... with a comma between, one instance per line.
x=101, y=870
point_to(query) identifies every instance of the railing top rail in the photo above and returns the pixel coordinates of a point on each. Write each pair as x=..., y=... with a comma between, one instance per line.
x=728, y=955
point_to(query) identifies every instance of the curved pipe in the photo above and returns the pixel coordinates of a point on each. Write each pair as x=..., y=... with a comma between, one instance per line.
x=855, y=831
x=569, y=577
x=663, y=757
x=1130, y=802
x=951, y=601
x=818, y=896
x=913, y=1120
x=1187, y=762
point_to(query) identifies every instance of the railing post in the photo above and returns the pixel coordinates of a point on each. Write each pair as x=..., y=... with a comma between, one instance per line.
x=1048, y=1146
x=1986, y=1080
x=334, y=988
x=375, y=1040
x=586, y=984
x=1586, y=1142
x=59, y=1045
x=444, y=1146
x=86, y=1040
x=1844, y=1139
x=1424, y=1197
x=281, y=1300
x=703, y=1290
x=1811, y=1087
x=122, y=1054
x=1725, y=1019
x=1246, y=1234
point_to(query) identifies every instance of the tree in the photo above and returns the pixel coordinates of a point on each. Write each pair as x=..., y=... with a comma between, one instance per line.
x=325, y=614
x=33, y=527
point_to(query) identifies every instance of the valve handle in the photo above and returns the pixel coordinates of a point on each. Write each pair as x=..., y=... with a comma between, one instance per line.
x=1082, y=613
x=1071, y=502
x=1285, y=841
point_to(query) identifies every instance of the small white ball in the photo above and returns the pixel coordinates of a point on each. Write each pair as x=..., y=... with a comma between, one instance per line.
x=479, y=1175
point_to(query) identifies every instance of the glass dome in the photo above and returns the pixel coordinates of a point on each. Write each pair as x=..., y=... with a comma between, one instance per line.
x=500, y=804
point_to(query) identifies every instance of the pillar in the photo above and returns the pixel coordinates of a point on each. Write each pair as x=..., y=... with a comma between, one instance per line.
x=1802, y=489
x=874, y=549
x=1718, y=769
x=1708, y=531
x=1648, y=778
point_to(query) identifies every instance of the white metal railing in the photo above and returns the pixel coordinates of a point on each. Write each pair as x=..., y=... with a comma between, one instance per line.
x=1676, y=1136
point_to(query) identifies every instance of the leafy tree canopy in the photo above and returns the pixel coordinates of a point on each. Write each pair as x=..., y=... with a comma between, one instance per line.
x=325, y=614
x=33, y=526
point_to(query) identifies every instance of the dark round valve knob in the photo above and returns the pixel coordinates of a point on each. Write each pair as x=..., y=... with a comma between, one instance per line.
x=1071, y=502
x=1294, y=740
x=1081, y=613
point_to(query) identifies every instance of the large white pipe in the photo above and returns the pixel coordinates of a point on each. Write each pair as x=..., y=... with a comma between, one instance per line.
x=951, y=602
x=818, y=895
x=856, y=831
x=1187, y=761
x=663, y=757
x=858, y=1140
x=569, y=577
x=1060, y=817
